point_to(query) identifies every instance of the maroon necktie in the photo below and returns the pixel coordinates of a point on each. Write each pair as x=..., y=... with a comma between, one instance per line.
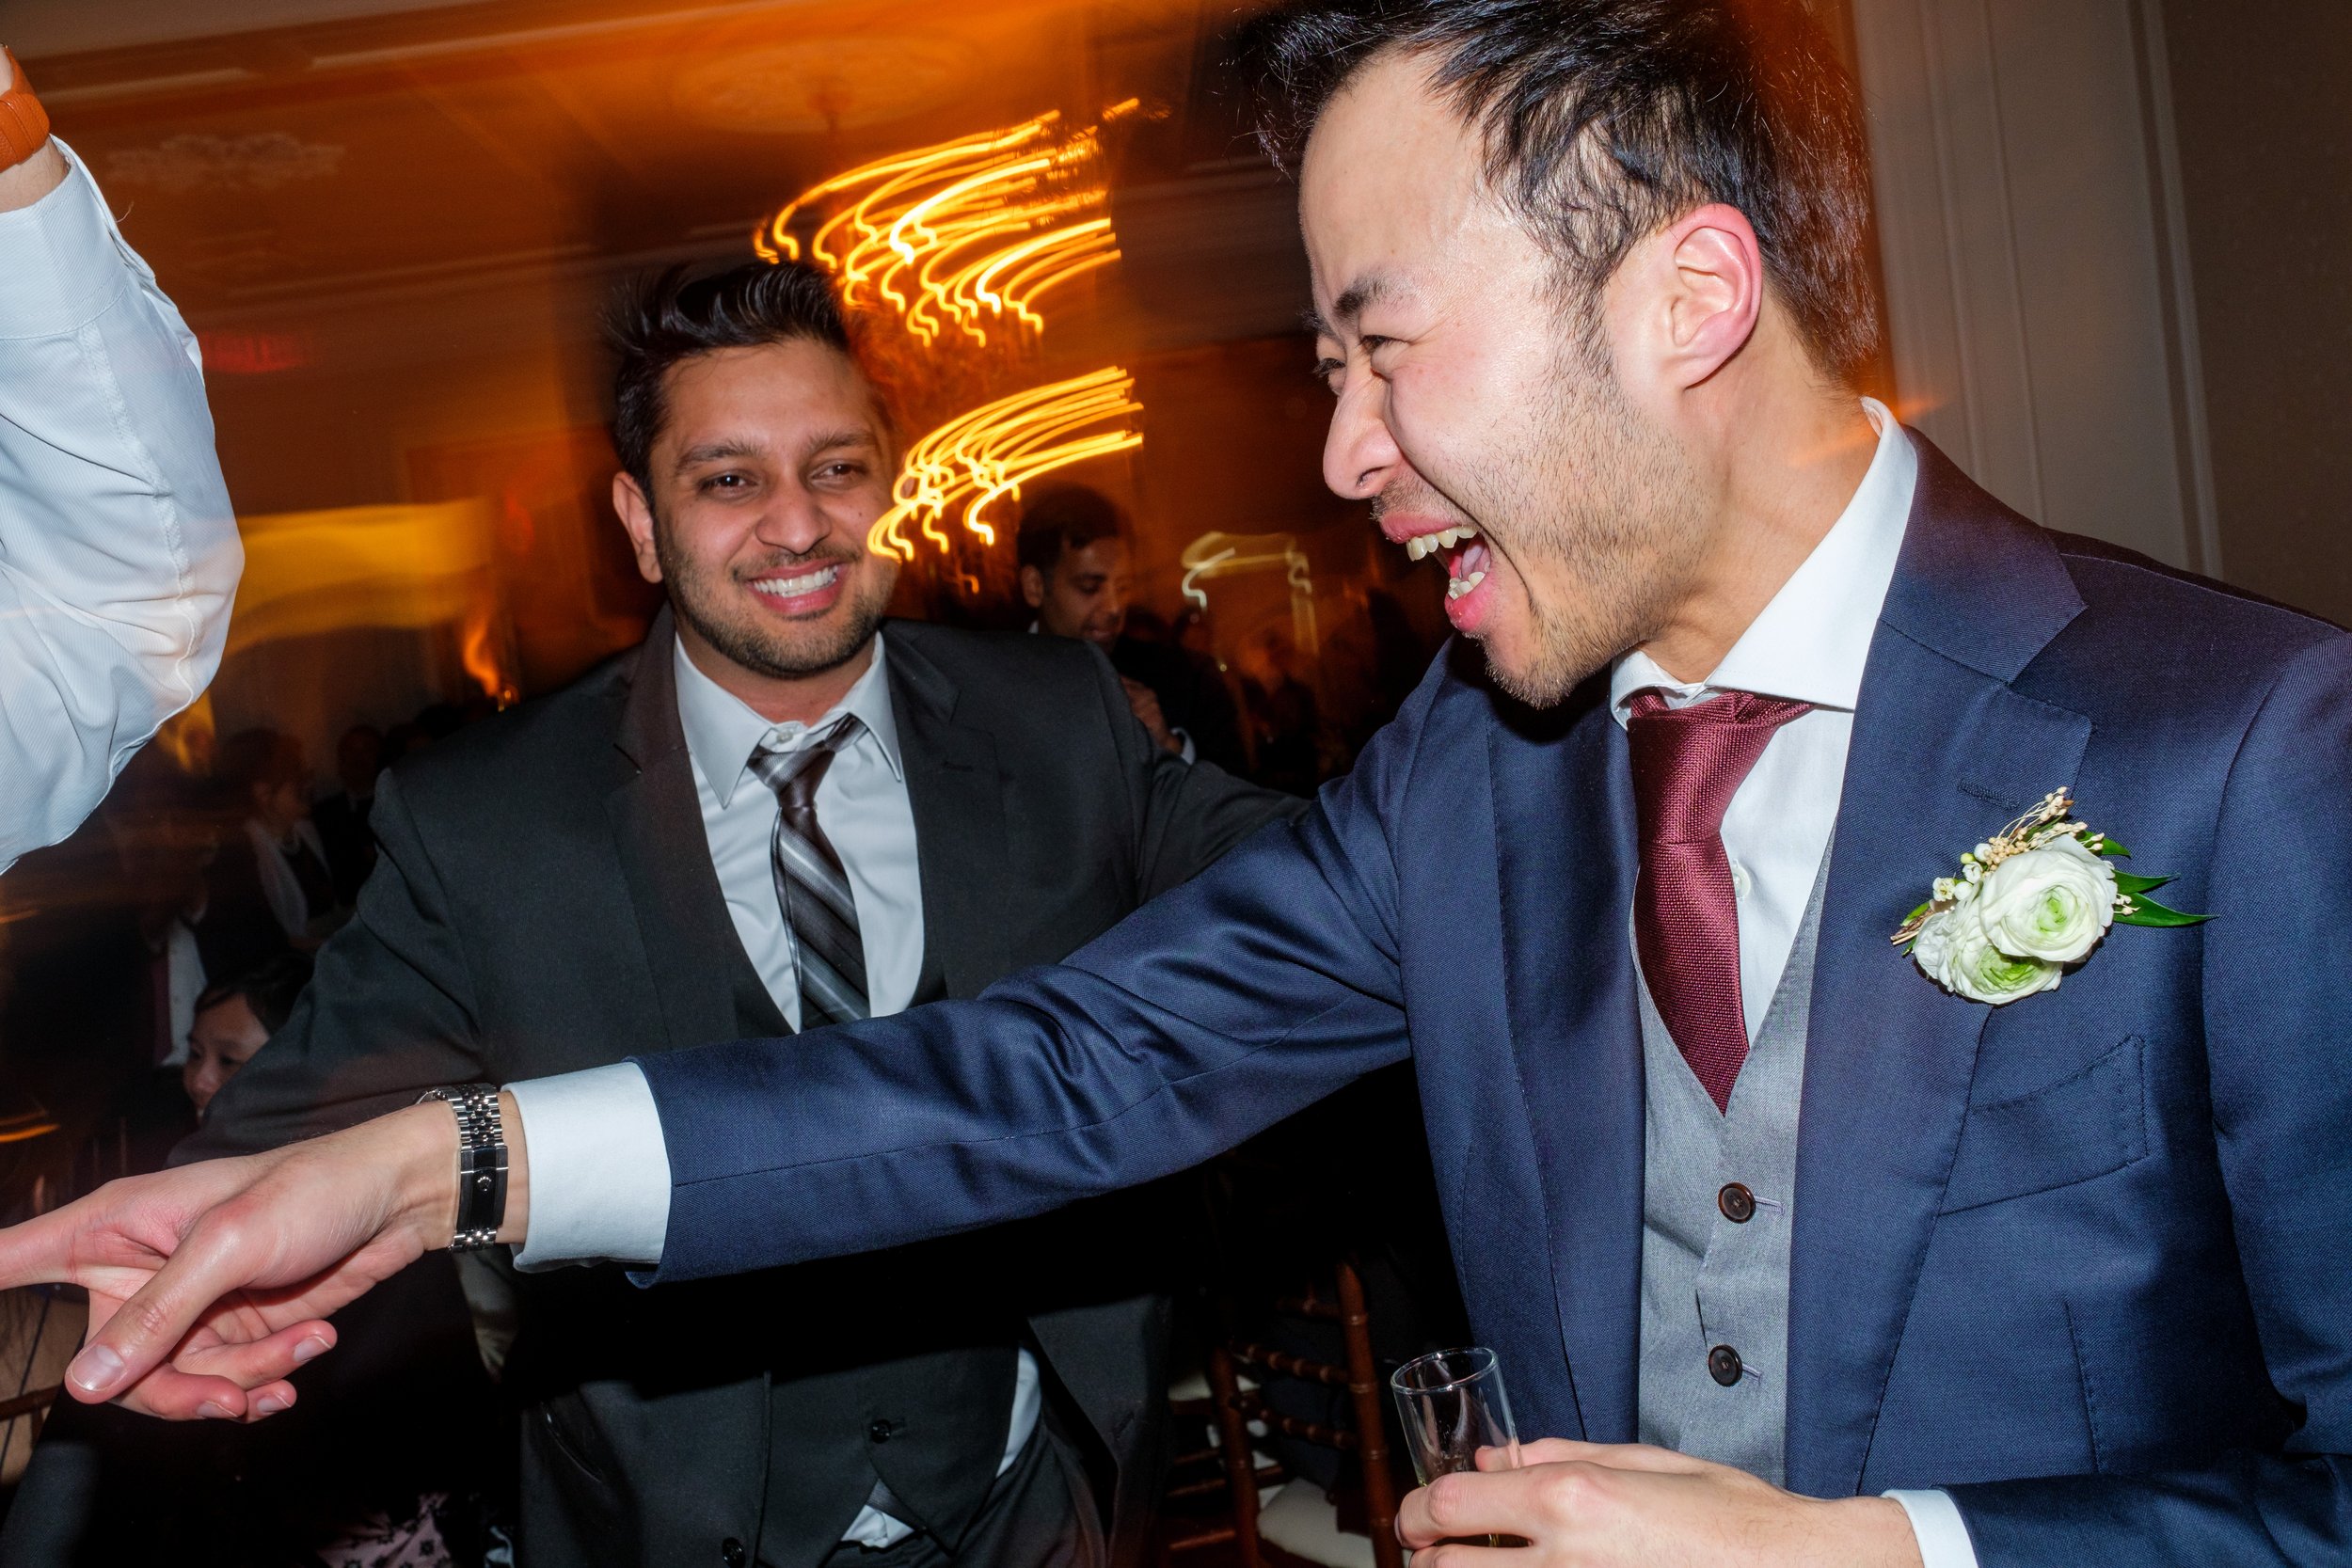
x=1688, y=763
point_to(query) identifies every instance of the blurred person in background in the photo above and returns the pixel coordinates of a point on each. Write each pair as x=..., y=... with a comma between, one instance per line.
x=236, y=1018
x=1077, y=552
x=1286, y=731
x=271, y=889
x=118, y=553
x=341, y=814
x=776, y=813
x=402, y=740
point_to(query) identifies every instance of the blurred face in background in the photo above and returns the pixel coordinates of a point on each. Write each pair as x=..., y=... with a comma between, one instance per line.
x=279, y=803
x=1494, y=414
x=223, y=1038
x=1087, y=592
x=771, y=465
x=359, y=757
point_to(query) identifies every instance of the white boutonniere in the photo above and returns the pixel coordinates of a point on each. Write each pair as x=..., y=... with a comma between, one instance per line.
x=2030, y=904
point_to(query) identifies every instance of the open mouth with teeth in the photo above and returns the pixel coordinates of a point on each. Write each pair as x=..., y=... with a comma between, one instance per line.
x=802, y=592
x=1465, y=558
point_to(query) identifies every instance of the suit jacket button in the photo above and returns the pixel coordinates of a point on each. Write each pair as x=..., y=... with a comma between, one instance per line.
x=1736, y=1202
x=731, y=1552
x=1723, y=1365
x=882, y=1431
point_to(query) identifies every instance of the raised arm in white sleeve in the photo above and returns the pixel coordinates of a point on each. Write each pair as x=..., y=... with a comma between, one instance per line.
x=118, y=553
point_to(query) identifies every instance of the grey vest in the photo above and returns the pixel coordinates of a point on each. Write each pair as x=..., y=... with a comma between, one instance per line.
x=1713, y=1283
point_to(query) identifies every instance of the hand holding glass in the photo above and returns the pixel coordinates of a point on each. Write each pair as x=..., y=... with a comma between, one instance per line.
x=1454, y=1405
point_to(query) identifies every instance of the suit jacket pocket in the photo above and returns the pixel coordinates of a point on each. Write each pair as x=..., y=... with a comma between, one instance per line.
x=2080, y=1127
x=571, y=1429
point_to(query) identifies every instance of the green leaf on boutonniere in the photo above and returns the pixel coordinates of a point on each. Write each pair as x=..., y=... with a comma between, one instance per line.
x=2147, y=911
x=2108, y=846
x=2134, y=886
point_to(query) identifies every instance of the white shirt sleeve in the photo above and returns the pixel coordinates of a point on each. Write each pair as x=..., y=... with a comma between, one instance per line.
x=599, y=1168
x=1936, y=1520
x=119, y=552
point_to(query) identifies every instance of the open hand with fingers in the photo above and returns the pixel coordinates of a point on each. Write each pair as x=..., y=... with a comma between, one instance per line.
x=1596, y=1505
x=210, y=1284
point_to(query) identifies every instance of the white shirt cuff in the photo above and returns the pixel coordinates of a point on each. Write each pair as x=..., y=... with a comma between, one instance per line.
x=600, y=1169
x=59, y=261
x=1934, y=1517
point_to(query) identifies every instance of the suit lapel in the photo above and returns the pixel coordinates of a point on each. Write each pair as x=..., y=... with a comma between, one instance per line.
x=1944, y=753
x=956, y=789
x=705, y=982
x=1564, y=813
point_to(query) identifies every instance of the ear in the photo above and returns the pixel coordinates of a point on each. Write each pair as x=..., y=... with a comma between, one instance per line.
x=1713, y=274
x=637, y=519
x=1033, y=587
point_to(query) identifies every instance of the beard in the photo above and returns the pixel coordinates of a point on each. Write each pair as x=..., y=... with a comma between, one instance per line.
x=1603, y=508
x=780, y=650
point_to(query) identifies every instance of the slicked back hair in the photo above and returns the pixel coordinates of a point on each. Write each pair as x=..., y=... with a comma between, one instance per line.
x=1605, y=120
x=655, y=326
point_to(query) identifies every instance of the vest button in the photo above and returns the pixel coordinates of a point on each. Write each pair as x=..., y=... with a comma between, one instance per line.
x=731, y=1552
x=1736, y=1202
x=1723, y=1365
x=882, y=1431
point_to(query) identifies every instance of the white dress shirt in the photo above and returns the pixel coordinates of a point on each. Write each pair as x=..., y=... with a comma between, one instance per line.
x=118, y=553
x=594, y=1138
x=1810, y=644
x=281, y=889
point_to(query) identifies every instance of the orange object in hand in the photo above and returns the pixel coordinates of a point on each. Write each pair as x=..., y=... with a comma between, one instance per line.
x=24, y=124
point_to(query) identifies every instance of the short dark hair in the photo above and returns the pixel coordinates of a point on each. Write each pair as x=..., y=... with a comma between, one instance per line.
x=270, y=987
x=656, y=324
x=1607, y=120
x=1067, y=517
x=251, y=758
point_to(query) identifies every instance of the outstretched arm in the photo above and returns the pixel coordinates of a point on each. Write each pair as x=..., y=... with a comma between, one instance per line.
x=118, y=554
x=209, y=1284
x=1253, y=990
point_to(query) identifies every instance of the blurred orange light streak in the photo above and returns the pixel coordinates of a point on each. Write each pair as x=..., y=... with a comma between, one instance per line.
x=479, y=654
x=995, y=449
x=963, y=232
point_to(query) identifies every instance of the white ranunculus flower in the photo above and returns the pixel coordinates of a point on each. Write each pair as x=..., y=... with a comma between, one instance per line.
x=1934, y=942
x=1967, y=962
x=2052, y=903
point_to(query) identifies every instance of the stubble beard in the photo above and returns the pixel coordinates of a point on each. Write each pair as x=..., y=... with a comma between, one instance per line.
x=768, y=649
x=1606, y=501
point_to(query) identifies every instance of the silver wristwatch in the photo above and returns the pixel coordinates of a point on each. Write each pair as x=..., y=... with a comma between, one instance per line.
x=480, y=1163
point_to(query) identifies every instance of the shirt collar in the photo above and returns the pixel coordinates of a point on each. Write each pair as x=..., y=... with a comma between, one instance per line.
x=722, y=731
x=1812, y=640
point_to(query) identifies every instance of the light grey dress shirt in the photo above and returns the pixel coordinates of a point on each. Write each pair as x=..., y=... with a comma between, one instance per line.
x=118, y=553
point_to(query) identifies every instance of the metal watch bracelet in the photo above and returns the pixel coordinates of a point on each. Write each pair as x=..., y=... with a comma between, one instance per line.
x=480, y=1163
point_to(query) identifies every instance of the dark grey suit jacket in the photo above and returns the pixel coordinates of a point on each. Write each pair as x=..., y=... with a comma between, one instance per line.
x=546, y=902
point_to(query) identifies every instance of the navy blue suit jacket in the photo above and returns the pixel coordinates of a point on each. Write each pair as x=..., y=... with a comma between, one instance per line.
x=2085, y=1260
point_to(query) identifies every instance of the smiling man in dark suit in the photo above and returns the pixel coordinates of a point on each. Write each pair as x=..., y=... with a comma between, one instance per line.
x=776, y=813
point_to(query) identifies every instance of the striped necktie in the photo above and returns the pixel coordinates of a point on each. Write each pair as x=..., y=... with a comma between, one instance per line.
x=828, y=956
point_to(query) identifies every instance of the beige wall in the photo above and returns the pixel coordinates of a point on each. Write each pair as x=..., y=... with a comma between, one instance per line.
x=2265, y=168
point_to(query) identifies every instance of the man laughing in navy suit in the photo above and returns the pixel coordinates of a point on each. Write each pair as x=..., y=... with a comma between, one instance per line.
x=2025, y=1245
